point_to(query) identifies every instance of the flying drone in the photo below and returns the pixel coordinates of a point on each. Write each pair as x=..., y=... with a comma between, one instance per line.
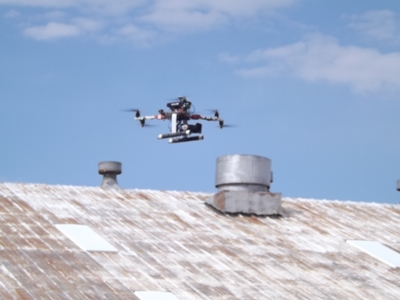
x=179, y=114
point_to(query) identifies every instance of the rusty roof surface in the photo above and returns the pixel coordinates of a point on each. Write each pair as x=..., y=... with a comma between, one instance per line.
x=172, y=241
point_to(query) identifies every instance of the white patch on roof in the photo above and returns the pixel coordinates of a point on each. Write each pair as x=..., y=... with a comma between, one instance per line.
x=379, y=251
x=145, y=295
x=85, y=238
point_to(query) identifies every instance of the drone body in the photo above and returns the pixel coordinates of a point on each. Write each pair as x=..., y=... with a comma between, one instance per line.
x=179, y=114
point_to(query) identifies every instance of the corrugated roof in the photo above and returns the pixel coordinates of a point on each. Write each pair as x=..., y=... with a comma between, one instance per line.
x=172, y=241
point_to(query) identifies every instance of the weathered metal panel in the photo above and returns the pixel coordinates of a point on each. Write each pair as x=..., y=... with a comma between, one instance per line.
x=151, y=295
x=172, y=241
x=259, y=203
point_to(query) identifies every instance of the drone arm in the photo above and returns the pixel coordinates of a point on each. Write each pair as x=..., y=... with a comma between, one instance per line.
x=200, y=117
x=159, y=117
x=143, y=119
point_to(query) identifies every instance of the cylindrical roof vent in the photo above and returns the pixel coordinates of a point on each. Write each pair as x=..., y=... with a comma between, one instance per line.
x=110, y=170
x=398, y=185
x=243, y=173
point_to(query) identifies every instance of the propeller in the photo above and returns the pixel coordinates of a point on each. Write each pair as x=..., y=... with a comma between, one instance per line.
x=137, y=115
x=228, y=126
x=223, y=125
x=142, y=123
x=179, y=98
x=214, y=111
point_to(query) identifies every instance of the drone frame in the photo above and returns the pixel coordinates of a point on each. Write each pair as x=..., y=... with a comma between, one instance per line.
x=179, y=117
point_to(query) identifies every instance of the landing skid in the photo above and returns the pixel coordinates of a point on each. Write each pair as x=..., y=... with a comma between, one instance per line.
x=186, y=139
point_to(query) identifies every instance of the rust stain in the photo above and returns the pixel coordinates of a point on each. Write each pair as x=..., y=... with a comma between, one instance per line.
x=22, y=204
x=219, y=200
x=226, y=251
x=143, y=196
x=37, y=243
x=317, y=229
x=4, y=203
x=145, y=215
x=22, y=294
x=80, y=205
x=70, y=221
x=178, y=219
x=254, y=220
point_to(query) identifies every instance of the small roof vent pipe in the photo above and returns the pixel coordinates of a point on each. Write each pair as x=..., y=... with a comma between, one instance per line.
x=243, y=183
x=398, y=185
x=110, y=170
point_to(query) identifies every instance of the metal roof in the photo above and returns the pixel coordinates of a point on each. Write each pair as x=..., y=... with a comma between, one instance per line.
x=171, y=241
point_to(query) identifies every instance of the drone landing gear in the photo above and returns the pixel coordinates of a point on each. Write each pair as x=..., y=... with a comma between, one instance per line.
x=196, y=128
x=175, y=134
x=184, y=131
x=186, y=139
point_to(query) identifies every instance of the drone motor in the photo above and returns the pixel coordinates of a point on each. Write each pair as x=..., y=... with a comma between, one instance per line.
x=181, y=104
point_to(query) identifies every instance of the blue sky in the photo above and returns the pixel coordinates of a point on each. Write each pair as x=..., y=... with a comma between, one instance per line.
x=313, y=85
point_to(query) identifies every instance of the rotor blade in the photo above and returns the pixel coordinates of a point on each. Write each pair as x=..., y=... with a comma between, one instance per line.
x=179, y=98
x=130, y=110
x=150, y=125
x=214, y=111
x=227, y=126
x=137, y=115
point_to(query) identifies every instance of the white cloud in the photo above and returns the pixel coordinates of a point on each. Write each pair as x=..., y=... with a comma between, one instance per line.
x=179, y=20
x=380, y=25
x=321, y=58
x=232, y=7
x=204, y=14
x=12, y=14
x=56, y=30
x=138, y=35
x=147, y=17
x=44, y=3
x=100, y=6
x=228, y=58
x=54, y=15
x=87, y=25
x=109, y=7
x=227, y=7
x=52, y=30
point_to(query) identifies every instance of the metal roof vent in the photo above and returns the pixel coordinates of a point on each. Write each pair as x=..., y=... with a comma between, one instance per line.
x=243, y=183
x=110, y=170
x=243, y=173
x=398, y=185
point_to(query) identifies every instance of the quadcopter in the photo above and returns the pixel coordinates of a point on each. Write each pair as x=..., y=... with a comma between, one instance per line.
x=179, y=114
